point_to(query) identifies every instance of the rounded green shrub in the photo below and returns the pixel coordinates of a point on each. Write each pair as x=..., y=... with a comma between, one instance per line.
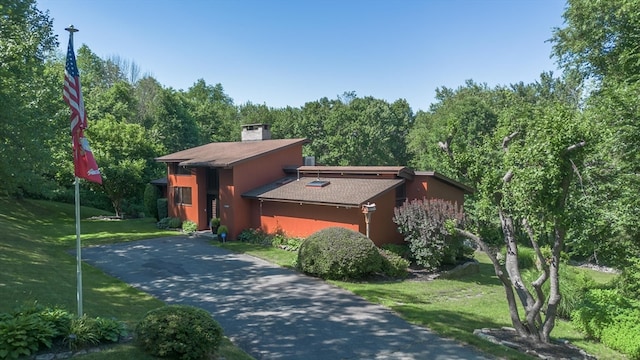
x=338, y=253
x=189, y=227
x=179, y=332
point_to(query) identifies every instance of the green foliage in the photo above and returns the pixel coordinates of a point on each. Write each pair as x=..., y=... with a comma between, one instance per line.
x=422, y=223
x=163, y=208
x=179, y=331
x=24, y=334
x=401, y=250
x=87, y=331
x=598, y=310
x=393, y=265
x=338, y=253
x=30, y=114
x=174, y=223
x=214, y=223
x=278, y=240
x=169, y=223
x=256, y=236
x=606, y=315
x=623, y=334
x=189, y=227
x=630, y=279
x=151, y=197
x=574, y=285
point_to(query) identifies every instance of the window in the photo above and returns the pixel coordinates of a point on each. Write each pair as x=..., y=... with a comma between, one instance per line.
x=401, y=194
x=182, y=195
x=180, y=170
x=318, y=183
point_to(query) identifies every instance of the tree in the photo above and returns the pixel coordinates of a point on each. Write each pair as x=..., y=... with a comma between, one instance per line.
x=521, y=147
x=28, y=114
x=600, y=40
x=125, y=154
x=213, y=112
x=173, y=126
x=364, y=131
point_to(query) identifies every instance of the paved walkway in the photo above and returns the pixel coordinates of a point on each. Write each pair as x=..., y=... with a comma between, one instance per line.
x=268, y=311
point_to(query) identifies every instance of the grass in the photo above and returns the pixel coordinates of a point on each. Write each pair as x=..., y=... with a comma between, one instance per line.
x=452, y=308
x=37, y=253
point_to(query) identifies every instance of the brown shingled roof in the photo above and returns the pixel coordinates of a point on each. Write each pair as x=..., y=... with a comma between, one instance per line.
x=340, y=192
x=225, y=154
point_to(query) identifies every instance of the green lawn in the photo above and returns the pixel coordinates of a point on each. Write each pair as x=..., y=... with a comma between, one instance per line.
x=453, y=308
x=37, y=257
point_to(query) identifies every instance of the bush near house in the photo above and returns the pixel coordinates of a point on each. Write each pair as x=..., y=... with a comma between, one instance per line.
x=189, y=227
x=179, y=332
x=339, y=253
x=421, y=222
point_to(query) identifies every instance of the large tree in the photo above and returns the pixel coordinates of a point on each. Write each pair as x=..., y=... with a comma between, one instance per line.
x=26, y=41
x=600, y=40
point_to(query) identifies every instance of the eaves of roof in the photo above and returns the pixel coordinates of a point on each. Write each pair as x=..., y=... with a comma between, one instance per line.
x=445, y=179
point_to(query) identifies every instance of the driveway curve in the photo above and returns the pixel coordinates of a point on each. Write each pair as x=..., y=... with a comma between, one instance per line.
x=268, y=311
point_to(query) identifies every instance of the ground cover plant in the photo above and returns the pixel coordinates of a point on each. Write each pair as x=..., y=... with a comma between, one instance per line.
x=38, y=265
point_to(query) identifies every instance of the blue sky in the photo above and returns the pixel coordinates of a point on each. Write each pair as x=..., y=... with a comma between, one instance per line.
x=288, y=52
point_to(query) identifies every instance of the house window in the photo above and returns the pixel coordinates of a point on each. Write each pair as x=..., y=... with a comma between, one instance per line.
x=180, y=170
x=401, y=195
x=182, y=195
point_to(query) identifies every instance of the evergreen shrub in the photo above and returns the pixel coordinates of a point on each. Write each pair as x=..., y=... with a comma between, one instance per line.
x=338, y=253
x=163, y=208
x=151, y=196
x=179, y=332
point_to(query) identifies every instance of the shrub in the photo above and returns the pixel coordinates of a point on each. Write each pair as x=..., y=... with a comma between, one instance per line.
x=151, y=196
x=189, y=227
x=393, y=265
x=179, y=331
x=338, y=253
x=401, y=250
x=87, y=331
x=623, y=334
x=629, y=282
x=163, y=208
x=214, y=223
x=422, y=223
x=163, y=223
x=24, y=334
x=174, y=223
x=256, y=236
x=597, y=311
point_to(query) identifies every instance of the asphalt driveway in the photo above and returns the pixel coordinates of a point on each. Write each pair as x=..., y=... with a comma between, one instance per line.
x=268, y=311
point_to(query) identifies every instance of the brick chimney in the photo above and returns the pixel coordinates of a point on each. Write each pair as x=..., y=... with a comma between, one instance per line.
x=255, y=132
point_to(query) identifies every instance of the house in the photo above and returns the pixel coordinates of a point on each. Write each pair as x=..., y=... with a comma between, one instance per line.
x=262, y=183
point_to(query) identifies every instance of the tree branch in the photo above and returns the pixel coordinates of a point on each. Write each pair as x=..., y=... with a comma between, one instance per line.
x=576, y=145
x=507, y=140
x=507, y=177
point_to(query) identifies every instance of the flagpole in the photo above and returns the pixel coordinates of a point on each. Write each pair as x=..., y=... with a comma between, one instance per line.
x=72, y=30
x=78, y=251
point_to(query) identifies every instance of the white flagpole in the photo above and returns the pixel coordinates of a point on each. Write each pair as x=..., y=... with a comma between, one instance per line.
x=78, y=251
x=71, y=30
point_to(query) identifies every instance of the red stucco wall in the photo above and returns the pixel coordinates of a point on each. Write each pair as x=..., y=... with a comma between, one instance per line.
x=236, y=212
x=303, y=220
x=194, y=211
x=423, y=186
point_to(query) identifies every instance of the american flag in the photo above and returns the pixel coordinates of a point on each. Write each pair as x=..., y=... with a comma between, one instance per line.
x=83, y=160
